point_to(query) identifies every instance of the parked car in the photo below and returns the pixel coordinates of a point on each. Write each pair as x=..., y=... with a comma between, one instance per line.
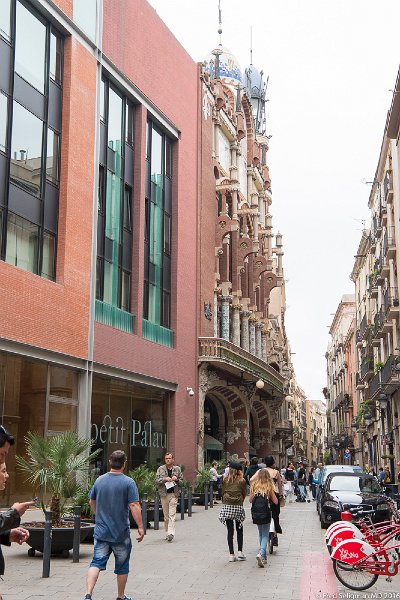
x=325, y=471
x=351, y=490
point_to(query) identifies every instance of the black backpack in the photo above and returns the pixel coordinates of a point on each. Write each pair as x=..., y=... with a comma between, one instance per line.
x=260, y=510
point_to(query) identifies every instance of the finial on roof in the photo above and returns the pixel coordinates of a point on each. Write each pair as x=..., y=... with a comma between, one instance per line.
x=251, y=45
x=220, y=21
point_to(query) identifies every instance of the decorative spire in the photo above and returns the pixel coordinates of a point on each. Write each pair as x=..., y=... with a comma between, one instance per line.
x=220, y=22
x=251, y=45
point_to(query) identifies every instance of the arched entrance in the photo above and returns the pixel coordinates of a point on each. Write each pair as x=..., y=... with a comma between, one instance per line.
x=215, y=428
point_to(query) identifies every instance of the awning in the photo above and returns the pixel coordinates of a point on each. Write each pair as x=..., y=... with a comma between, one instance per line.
x=210, y=443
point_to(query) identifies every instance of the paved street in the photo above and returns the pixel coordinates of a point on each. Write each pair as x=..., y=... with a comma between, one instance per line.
x=195, y=566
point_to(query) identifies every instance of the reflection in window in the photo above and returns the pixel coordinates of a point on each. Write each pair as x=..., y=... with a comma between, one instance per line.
x=63, y=383
x=114, y=127
x=30, y=48
x=130, y=124
x=49, y=256
x=85, y=15
x=55, y=58
x=126, y=291
x=3, y=121
x=52, y=156
x=26, y=150
x=5, y=21
x=102, y=101
x=128, y=208
x=22, y=243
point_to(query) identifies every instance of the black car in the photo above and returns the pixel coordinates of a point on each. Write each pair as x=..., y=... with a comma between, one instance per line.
x=352, y=490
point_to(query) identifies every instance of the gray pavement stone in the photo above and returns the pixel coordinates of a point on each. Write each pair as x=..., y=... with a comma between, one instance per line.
x=195, y=566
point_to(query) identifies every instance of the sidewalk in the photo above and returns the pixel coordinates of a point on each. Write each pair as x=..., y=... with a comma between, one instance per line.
x=195, y=565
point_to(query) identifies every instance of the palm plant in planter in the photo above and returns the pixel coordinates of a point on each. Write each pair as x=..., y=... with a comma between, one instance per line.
x=52, y=466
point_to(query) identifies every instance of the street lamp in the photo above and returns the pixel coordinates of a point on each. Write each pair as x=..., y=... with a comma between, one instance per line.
x=383, y=401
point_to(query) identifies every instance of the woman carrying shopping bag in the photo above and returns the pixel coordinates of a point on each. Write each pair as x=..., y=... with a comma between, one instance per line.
x=262, y=494
x=232, y=511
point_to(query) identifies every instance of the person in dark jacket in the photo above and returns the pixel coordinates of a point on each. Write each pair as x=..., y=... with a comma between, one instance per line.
x=10, y=519
x=251, y=469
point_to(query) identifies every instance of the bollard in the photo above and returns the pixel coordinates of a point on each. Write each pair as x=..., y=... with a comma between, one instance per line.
x=77, y=534
x=190, y=501
x=182, y=505
x=157, y=511
x=144, y=512
x=211, y=495
x=47, y=543
x=206, y=496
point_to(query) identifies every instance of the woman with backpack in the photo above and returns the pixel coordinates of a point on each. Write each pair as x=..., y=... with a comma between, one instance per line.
x=232, y=511
x=261, y=495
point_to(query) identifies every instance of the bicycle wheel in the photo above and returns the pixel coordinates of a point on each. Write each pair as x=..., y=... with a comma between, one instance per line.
x=354, y=577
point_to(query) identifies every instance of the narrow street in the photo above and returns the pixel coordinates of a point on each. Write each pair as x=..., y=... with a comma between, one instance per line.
x=195, y=566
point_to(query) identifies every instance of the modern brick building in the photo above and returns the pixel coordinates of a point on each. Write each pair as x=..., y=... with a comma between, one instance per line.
x=98, y=226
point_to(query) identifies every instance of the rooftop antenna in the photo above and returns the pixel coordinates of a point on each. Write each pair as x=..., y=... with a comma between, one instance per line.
x=251, y=45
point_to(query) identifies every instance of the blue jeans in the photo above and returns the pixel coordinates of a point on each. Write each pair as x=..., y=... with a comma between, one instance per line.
x=121, y=551
x=263, y=533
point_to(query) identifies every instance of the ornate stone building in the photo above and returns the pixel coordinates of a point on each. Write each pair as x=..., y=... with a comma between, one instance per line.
x=244, y=357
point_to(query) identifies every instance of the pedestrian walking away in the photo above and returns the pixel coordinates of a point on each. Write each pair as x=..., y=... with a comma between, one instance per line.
x=169, y=479
x=112, y=496
x=278, y=488
x=289, y=482
x=261, y=495
x=232, y=512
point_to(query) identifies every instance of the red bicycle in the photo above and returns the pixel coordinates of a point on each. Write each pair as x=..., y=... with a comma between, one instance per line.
x=358, y=563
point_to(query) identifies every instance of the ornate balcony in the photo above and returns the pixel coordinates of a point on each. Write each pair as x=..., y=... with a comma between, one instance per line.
x=232, y=358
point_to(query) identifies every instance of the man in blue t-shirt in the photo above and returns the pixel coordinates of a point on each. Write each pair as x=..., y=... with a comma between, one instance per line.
x=112, y=496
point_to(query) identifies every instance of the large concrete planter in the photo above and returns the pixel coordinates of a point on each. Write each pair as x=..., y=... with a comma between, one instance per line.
x=62, y=538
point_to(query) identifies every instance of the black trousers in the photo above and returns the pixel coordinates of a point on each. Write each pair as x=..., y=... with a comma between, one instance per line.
x=275, y=511
x=239, y=535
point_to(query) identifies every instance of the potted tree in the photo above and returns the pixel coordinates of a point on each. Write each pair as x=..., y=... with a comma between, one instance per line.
x=202, y=478
x=52, y=466
x=145, y=479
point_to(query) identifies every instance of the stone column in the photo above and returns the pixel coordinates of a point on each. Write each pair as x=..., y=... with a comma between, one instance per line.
x=252, y=335
x=259, y=327
x=225, y=317
x=217, y=291
x=245, y=330
x=264, y=345
x=236, y=324
x=207, y=380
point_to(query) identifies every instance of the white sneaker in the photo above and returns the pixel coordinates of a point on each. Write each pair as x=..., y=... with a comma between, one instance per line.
x=260, y=561
x=232, y=558
x=241, y=556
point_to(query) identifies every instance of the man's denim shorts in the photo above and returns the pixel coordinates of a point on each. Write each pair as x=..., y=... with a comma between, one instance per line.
x=121, y=551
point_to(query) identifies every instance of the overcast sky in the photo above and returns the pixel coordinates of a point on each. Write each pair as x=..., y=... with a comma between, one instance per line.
x=331, y=66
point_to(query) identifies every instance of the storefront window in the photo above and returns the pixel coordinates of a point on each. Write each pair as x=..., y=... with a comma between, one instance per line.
x=130, y=417
x=34, y=396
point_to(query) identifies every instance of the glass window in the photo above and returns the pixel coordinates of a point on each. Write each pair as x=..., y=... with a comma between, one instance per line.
x=85, y=15
x=110, y=283
x=30, y=47
x=99, y=277
x=3, y=121
x=130, y=123
x=22, y=243
x=168, y=159
x=5, y=21
x=102, y=100
x=52, y=160
x=62, y=417
x=167, y=234
x=100, y=195
x=26, y=149
x=126, y=291
x=63, y=383
x=55, y=58
x=156, y=157
x=49, y=256
x=128, y=208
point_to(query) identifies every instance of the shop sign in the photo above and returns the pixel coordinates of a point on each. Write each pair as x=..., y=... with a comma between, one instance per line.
x=141, y=433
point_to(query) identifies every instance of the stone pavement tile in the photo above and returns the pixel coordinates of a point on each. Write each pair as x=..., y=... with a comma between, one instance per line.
x=198, y=561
